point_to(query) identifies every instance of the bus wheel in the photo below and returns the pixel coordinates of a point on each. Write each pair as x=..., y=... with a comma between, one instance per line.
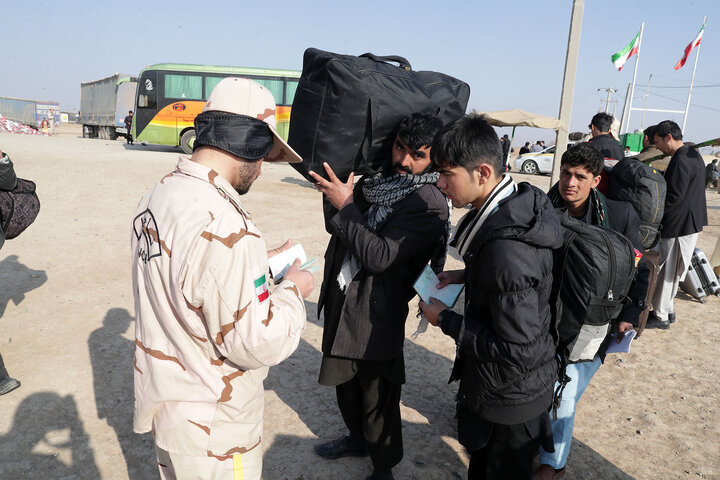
x=187, y=141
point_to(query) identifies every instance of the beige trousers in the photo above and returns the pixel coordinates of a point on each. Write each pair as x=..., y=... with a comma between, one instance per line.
x=246, y=466
x=675, y=257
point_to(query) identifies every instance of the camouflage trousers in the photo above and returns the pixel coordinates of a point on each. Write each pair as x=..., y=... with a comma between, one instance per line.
x=246, y=466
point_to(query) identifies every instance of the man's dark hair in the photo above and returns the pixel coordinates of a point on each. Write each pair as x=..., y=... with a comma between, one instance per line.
x=417, y=130
x=649, y=132
x=527, y=144
x=602, y=121
x=583, y=155
x=467, y=142
x=668, y=127
x=505, y=136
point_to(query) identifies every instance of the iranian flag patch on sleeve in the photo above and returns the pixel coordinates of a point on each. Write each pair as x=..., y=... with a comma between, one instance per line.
x=261, y=288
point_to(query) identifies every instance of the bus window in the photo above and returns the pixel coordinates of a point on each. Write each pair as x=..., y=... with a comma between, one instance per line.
x=187, y=87
x=275, y=87
x=147, y=90
x=290, y=89
x=210, y=84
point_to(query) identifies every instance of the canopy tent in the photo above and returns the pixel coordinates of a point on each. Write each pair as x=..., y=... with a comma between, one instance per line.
x=521, y=118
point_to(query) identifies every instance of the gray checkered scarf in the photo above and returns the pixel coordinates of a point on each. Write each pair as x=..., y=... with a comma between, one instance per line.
x=384, y=192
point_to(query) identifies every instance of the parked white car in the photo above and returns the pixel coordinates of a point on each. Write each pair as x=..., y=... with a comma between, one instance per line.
x=537, y=162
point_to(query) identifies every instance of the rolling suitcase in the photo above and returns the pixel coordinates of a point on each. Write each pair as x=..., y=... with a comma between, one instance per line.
x=346, y=108
x=700, y=280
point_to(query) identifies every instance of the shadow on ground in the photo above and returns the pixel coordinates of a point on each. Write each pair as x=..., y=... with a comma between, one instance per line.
x=112, y=357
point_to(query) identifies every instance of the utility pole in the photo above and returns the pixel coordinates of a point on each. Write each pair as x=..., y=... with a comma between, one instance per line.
x=607, y=100
x=568, y=86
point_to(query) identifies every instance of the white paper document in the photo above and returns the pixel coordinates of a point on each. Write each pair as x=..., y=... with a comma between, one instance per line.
x=426, y=287
x=280, y=263
x=624, y=345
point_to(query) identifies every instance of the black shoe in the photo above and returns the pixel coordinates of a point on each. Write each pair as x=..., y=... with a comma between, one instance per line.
x=340, y=448
x=671, y=317
x=654, y=322
x=8, y=385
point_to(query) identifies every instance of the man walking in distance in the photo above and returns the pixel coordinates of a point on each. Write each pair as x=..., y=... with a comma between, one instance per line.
x=685, y=216
x=576, y=192
x=8, y=181
x=208, y=327
x=128, y=127
x=602, y=140
x=384, y=231
x=506, y=355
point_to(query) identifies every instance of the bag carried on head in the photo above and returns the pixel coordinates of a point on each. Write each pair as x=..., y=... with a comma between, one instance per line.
x=644, y=187
x=18, y=208
x=346, y=108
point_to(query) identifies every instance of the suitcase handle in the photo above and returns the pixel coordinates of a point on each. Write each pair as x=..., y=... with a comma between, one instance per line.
x=402, y=61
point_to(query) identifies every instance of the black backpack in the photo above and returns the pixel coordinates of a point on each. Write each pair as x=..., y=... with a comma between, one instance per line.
x=593, y=272
x=644, y=187
x=18, y=208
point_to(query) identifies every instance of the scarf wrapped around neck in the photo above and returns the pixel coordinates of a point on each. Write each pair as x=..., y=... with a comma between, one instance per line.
x=597, y=210
x=382, y=192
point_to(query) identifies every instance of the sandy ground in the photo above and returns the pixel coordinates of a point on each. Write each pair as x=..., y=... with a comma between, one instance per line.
x=67, y=333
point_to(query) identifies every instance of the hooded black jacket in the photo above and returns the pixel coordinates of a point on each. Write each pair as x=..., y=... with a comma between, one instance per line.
x=506, y=359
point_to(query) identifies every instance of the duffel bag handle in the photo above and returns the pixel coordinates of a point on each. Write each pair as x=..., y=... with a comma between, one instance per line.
x=401, y=61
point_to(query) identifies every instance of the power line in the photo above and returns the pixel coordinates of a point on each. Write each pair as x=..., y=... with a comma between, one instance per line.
x=682, y=86
x=682, y=101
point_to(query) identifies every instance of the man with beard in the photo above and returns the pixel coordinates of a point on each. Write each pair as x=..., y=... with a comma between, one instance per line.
x=207, y=325
x=384, y=231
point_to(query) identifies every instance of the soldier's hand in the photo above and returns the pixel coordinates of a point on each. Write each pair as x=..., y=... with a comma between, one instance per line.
x=302, y=278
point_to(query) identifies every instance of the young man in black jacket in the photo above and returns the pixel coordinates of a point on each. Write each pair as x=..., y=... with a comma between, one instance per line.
x=580, y=170
x=684, y=218
x=601, y=139
x=506, y=360
x=384, y=231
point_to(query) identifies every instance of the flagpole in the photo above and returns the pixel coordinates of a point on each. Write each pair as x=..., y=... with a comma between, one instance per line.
x=632, y=89
x=692, y=80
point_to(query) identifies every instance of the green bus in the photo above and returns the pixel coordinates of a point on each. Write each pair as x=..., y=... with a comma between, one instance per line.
x=171, y=95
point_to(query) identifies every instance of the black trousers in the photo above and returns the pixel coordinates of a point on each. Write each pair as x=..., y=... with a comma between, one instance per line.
x=508, y=454
x=370, y=407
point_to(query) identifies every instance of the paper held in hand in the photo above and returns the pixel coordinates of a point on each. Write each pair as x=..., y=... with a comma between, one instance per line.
x=280, y=263
x=624, y=345
x=426, y=287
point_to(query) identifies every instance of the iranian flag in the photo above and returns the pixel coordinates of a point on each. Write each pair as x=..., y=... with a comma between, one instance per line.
x=689, y=48
x=622, y=56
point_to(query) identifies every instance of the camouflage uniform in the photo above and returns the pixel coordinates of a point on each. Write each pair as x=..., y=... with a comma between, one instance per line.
x=207, y=325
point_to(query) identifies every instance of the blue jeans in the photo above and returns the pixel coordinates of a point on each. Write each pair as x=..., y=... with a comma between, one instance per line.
x=562, y=428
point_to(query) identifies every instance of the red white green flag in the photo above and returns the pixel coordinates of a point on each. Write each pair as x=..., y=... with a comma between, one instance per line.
x=623, y=55
x=689, y=48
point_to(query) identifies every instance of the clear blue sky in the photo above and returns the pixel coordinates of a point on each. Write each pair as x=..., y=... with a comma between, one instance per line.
x=512, y=53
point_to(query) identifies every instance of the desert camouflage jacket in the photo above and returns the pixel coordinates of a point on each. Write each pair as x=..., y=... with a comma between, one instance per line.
x=207, y=326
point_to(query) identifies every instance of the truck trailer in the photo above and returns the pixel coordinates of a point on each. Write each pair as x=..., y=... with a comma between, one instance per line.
x=104, y=104
x=29, y=112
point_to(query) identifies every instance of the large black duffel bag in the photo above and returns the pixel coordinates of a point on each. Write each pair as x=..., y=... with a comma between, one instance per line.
x=346, y=108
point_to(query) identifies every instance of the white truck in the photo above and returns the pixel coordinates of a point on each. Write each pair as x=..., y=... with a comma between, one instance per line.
x=104, y=104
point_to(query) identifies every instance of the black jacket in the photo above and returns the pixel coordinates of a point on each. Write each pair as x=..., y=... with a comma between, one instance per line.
x=608, y=146
x=506, y=359
x=685, y=206
x=370, y=323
